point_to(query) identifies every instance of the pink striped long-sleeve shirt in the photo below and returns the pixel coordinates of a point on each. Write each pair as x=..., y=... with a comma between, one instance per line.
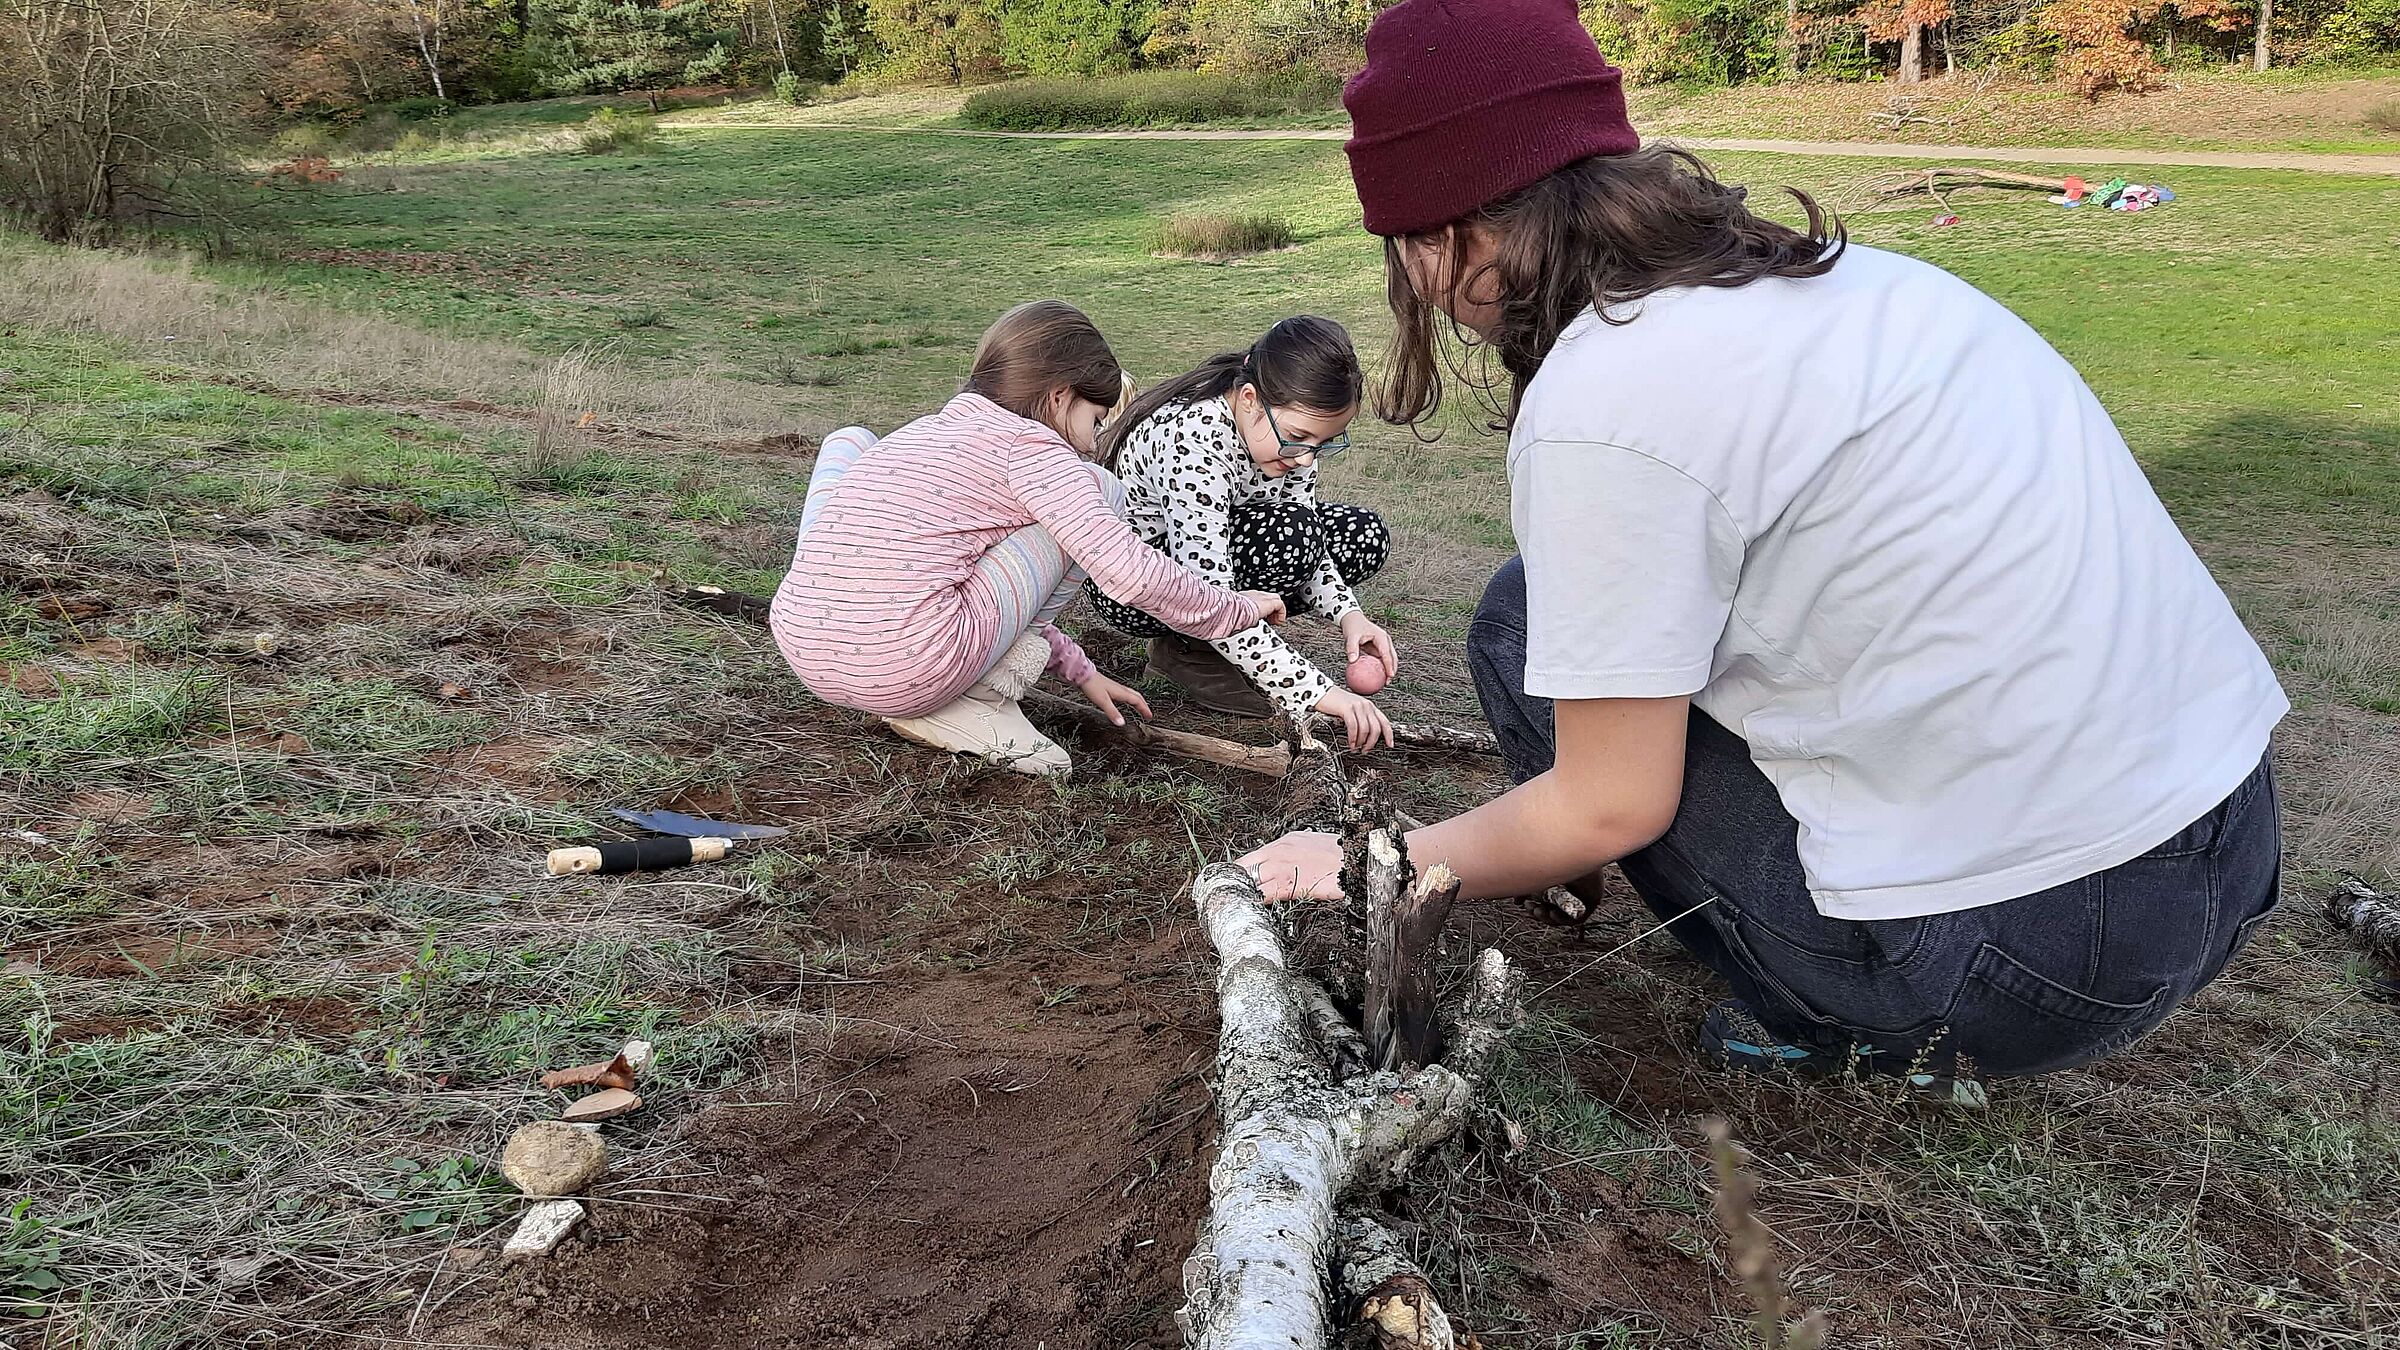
x=883, y=609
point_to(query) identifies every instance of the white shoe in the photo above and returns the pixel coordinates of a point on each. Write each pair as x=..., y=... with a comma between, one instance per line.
x=982, y=723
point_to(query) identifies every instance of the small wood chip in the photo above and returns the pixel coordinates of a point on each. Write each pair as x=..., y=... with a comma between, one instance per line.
x=603, y=1105
x=544, y=1226
x=637, y=1056
x=612, y=1073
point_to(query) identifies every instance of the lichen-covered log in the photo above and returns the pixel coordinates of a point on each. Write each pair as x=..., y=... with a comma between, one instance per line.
x=1294, y=1139
x=1384, y=1291
x=2371, y=918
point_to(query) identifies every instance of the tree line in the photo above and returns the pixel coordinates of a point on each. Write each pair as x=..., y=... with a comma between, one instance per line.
x=117, y=108
x=325, y=56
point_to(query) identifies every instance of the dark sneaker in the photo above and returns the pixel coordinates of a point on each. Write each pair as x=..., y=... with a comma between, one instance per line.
x=1207, y=678
x=1732, y=1039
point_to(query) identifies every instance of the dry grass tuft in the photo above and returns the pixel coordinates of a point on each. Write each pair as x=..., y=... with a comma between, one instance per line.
x=1215, y=237
x=2385, y=117
x=570, y=402
x=161, y=307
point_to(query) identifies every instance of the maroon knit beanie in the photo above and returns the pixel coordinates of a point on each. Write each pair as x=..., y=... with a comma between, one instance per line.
x=1465, y=101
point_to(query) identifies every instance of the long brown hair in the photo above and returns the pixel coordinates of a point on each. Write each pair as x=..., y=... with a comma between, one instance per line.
x=1039, y=348
x=1600, y=233
x=1306, y=361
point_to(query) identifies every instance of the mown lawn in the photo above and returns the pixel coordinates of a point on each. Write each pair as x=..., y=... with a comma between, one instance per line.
x=2227, y=1183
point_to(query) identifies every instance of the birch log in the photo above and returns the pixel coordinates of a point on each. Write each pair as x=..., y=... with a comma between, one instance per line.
x=1293, y=1140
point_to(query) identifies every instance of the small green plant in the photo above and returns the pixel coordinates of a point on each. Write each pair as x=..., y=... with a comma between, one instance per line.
x=452, y=1191
x=119, y=714
x=643, y=316
x=417, y=141
x=611, y=130
x=375, y=717
x=1216, y=237
x=28, y=1251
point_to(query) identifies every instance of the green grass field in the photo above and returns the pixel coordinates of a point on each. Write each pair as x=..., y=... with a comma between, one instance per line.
x=281, y=998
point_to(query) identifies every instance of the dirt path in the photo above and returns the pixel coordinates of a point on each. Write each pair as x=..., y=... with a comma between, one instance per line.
x=2006, y=154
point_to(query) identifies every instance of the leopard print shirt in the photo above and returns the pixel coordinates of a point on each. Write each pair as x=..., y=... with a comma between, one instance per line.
x=1185, y=470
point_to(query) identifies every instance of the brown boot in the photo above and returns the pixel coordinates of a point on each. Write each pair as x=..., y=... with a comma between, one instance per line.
x=1207, y=678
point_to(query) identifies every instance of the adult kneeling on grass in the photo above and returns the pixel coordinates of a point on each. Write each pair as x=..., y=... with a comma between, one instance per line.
x=1844, y=621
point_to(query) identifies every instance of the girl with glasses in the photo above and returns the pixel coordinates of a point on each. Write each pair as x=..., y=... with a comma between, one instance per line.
x=1219, y=466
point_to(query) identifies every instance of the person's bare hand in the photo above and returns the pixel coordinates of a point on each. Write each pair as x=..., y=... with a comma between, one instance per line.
x=1365, y=637
x=1267, y=605
x=1302, y=865
x=1105, y=694
x=1366, y=722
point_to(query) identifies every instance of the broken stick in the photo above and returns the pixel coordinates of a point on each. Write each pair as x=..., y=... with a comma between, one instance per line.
x=1271, y=760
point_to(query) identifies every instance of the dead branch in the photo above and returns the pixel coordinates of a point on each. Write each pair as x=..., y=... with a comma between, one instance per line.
x=1293, y=1141
x=1272, y=760
x=1385, y=1292
x=2371, y=918
x=1404, y=938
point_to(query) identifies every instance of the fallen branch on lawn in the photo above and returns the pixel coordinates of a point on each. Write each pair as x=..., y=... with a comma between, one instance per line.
x=1295, y=1142
x=1266, y=759
x=1273, y=760
x=2372, y=921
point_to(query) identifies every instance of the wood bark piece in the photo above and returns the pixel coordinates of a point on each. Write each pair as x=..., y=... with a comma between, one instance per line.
x=1293, y=1142
x=1386, y=1292
x=1404, y=947
x=1271, y=760
x=606, y=1104
x=614, y=1073
x=2372, y=921
x=544, y=1226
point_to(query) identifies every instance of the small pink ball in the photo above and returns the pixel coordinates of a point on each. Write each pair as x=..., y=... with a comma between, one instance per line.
x=1366, y=676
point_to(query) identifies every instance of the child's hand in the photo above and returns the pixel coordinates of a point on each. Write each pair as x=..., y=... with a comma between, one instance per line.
x=1365, y=637
x=1267, y=605
x=1106, y=694
x=1366, y=722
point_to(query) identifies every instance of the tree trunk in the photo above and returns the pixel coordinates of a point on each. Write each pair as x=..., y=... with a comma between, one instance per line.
x=429, y=44
x=2259, y=55
x=1912, y=52
x=1790, y=45
x=775, y=18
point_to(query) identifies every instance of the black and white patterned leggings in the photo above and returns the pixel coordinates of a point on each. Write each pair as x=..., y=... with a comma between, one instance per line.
x=1276, y=546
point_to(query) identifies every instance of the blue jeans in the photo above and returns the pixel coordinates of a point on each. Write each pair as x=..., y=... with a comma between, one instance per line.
x=2042, y=982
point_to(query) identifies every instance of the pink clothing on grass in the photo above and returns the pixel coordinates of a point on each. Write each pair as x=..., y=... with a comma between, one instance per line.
x=884, y=610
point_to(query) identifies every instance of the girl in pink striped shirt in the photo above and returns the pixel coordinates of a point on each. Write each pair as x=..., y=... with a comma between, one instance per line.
x=932, y=564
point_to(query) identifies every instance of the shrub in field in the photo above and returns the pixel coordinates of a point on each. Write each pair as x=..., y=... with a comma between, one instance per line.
x=1147, y=99
x=1218, y=236
x=790, y=88
x=610, y=131
x=116, y=111
x=2385, y=117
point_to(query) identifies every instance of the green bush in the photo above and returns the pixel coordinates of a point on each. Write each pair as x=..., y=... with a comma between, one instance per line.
x=790, y=88
x=610, y=131
x=1219, y=236
x=304, y=140
x=1154, y=98
x=418, y=109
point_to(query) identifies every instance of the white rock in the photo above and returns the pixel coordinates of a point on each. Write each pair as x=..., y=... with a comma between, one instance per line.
x=544, y=1226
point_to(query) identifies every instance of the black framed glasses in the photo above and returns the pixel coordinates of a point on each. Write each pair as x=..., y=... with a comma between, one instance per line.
x=1291, y=451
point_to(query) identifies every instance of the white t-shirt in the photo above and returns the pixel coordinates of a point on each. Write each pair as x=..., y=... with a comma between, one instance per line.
x=1873, y=524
